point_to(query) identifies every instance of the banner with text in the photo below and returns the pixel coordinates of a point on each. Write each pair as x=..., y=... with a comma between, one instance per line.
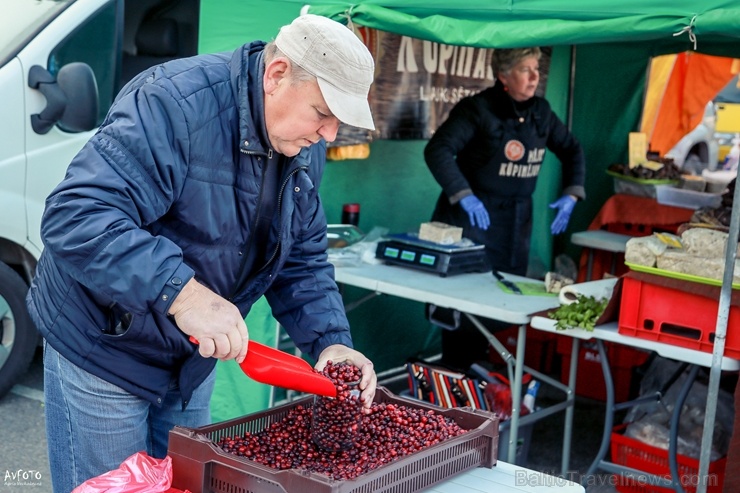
x=418, y=82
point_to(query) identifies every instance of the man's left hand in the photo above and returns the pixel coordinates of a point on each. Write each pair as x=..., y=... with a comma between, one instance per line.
x=338, y=353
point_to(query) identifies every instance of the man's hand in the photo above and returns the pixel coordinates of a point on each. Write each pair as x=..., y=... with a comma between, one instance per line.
x=216, y=324
x=338, y=353
x=477, y=212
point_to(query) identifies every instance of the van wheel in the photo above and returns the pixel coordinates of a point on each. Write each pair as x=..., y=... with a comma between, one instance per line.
x=18, y=336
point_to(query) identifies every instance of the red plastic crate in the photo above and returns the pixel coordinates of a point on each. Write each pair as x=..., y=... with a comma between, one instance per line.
x=673, y=316
x=590, y=376
x=633, y=453
x=199, y=465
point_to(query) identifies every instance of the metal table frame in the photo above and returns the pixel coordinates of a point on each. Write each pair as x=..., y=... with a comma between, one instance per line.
x=475, y=295
x=693, y=359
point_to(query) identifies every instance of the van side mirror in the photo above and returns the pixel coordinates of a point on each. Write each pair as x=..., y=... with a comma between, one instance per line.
x=71, y=99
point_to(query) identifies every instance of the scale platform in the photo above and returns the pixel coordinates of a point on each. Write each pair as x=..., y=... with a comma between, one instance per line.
x=407, y=250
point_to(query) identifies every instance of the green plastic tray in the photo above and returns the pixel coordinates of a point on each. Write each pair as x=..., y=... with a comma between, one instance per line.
x=677, y=275
x=641, y=181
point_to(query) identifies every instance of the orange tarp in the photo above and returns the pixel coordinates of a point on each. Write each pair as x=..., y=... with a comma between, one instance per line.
x=679, y=88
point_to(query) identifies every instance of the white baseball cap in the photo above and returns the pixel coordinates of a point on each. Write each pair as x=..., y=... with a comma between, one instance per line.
x=340, y=61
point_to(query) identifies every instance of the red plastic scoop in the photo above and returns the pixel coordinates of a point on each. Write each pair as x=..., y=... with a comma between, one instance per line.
x=268, y=365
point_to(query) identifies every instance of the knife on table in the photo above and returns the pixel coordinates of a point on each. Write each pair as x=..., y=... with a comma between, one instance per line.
x=506, y=282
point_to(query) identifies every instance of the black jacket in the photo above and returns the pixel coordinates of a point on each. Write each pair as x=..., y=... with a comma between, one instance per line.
x=462, y=154
x=493, y=147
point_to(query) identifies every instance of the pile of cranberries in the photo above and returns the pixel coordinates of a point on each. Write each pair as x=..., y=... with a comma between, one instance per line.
x=336, y=421
x=388, y=433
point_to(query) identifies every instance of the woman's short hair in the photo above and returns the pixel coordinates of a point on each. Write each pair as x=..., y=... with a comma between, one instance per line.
x=503, y=60
x=298, y=73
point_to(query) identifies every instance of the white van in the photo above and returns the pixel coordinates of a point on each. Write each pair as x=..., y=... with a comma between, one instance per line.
x=61, y=64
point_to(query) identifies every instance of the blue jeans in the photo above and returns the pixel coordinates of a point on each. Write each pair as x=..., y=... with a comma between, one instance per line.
x=92, y=426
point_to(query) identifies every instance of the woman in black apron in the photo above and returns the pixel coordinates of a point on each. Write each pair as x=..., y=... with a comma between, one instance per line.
x=486, y=157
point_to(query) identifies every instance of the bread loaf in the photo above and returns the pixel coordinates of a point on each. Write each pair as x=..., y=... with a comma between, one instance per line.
x=686, y=263
x=644, y=250
x=705, y=242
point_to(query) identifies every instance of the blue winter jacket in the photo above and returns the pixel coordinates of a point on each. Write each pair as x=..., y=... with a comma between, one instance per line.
x=166, y=190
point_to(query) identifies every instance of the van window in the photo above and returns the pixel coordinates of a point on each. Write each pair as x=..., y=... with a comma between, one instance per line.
x=27, y=19
x=96, y=43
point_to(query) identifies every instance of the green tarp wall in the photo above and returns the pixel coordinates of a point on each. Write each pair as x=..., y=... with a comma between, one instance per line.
x=612, y=43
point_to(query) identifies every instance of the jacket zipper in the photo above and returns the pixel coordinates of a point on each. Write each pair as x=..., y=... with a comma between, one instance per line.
x=280, y=229
x=250, y=245
x=239, y=285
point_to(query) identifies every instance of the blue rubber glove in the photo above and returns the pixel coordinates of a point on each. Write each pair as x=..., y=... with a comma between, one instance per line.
x=564, y=205
x=476, y=211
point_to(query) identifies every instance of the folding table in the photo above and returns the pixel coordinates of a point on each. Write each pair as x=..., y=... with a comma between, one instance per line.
x=475, y=295
x=609, y=332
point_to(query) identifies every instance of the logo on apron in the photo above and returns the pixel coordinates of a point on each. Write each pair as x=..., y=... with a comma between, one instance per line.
x=514, y=150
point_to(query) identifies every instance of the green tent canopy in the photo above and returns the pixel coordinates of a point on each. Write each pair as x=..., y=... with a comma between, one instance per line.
x=510, y=24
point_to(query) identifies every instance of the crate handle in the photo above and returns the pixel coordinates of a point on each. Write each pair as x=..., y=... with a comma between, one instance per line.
x=681, y=331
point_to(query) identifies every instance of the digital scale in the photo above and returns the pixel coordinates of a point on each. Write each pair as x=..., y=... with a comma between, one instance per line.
x=407, y=250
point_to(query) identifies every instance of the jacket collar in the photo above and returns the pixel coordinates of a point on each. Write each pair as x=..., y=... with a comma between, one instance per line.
x=247, y=71
x=246, y=81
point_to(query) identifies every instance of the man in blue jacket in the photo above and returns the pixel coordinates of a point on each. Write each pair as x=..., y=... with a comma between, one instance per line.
x=198, y=195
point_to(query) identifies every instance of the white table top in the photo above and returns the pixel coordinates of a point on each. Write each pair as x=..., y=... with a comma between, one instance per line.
x=609, y=332
x=475, y=293
x=505, y=478
x=601, y=240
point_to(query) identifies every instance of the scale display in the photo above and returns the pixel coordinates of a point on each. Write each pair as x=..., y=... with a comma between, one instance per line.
x=444, y=261
x=406, y=255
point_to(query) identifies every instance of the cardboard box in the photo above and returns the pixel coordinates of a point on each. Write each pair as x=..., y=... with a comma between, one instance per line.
x=637, y=149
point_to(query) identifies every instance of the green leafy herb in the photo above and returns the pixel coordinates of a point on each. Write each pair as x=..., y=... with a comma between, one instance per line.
x=583, y=313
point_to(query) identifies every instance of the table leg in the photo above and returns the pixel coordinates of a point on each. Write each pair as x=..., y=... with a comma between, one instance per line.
x=590, y=264
x=516, y=391
x=515, y=370
x=611, y=407
x=609, y=418
x=570, y=409
x=675, y=418
x=515, y=379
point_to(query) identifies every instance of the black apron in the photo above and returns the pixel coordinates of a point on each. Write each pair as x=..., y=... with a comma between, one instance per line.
x=505, y=187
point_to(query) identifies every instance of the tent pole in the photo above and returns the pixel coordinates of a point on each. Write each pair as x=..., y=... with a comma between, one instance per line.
x=719, y=345
x=571, y=86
